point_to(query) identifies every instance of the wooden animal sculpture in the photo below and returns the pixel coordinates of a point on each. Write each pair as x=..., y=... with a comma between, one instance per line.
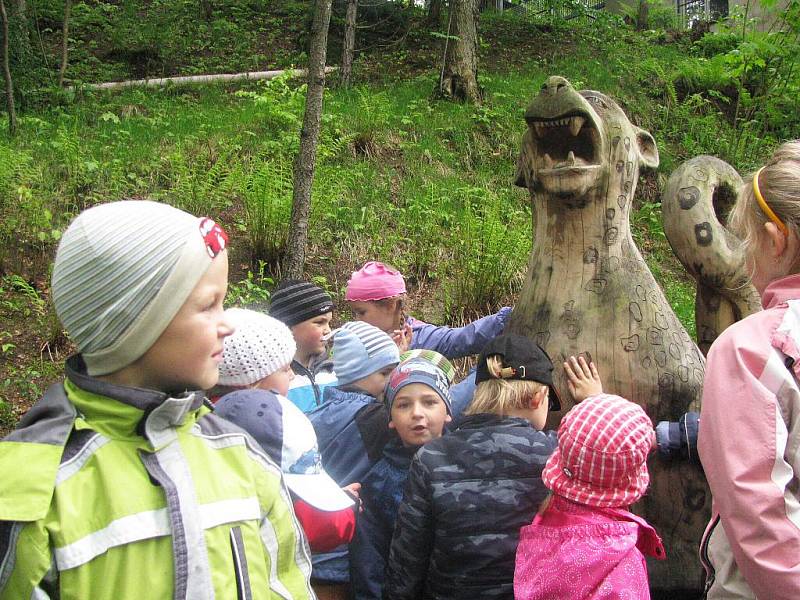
x=589, y=290
x=695, y=206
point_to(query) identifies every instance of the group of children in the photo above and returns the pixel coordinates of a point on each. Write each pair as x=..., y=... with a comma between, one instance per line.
x=365, y=472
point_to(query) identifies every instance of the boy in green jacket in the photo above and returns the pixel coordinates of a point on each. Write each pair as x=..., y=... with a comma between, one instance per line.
x=120, y=483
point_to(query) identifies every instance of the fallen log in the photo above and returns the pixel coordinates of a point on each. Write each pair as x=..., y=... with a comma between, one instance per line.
x=195, y=79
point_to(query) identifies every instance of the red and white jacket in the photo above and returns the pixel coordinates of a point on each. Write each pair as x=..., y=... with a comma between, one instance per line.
x=749, y=444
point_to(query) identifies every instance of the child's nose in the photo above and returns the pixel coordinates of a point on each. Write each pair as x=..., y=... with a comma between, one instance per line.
x=225, y=328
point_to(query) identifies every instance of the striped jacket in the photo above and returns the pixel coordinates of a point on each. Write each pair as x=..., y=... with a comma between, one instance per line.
x=749, y=444
x=116, y=493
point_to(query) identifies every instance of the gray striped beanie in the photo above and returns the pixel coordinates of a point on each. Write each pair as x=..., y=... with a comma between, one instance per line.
x=359, y=350
x=122, y=272
x=295, y=301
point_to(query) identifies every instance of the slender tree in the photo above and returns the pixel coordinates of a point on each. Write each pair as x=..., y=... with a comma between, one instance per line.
x=65, y=43
x=434, y=13
x=12, y=115
x=306, y=159
x=349, y=42
x=459, y=78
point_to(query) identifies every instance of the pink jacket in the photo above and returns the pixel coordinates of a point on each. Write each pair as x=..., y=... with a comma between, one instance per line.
x=749, y=444
x=577, y=552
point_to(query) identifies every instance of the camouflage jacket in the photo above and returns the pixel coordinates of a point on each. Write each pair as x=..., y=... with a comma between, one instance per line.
x=468, y=494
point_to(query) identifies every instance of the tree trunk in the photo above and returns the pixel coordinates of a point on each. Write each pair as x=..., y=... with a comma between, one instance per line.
x=309, y=136
x=12, y=115
x=349, y=42
x=460, y=72
x=20, y=32
x=434, y=13
x=642, y=15
x=65, y=43
x=206, y=10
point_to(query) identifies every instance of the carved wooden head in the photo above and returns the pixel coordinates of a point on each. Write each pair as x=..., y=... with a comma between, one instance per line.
x=571, y=145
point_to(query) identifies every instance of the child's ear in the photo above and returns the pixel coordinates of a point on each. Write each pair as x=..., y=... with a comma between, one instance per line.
x=392, y=425
x=448, y=418
x=539, y=397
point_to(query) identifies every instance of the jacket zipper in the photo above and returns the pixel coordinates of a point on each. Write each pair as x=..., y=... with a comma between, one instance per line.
x=704, y=558
x=307, y=372
x=243, y=591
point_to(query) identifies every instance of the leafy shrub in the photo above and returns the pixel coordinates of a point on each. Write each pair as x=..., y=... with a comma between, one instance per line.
x=713, y=43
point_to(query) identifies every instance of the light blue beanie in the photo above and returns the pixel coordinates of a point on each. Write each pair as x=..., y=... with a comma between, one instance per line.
x=359, y=350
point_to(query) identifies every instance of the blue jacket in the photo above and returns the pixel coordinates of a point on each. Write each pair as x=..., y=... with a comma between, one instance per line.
x=381, y=493
x=467, y=496
x=455, y=342
x=352, y=430
x=305, y=390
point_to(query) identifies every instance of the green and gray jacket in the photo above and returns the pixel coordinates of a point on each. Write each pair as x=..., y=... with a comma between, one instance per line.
x=111, y=492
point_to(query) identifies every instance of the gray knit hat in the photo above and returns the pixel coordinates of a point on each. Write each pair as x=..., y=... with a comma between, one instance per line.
x=259, y=346
x=122, y=272
x=359, y=350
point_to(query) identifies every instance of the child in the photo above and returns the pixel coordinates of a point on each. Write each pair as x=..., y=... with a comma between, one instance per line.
x=120, y=482
x=750, y=433
x=376, y=294
x=351, y=426
x=418, y=400
x=470, y=491
x=307, y=310
x=255, y=368
x=584, y=543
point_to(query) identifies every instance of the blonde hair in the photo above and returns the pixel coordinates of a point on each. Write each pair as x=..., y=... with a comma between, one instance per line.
x=499, y=396
x=779, y=183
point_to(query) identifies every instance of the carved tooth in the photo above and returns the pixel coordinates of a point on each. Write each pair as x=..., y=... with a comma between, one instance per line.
x=575, y=124
x=570, y=158
x=538, y=127
x=548, y=162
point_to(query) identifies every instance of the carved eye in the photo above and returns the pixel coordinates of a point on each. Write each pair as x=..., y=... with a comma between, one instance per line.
x=596, y=101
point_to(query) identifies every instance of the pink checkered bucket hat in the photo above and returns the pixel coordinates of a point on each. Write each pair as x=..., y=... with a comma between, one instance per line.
x=601, y=459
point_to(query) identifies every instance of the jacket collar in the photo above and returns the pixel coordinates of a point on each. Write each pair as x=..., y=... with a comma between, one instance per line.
x=134, y=412
x=399, y=455
x=780, y=291
x=648, y=541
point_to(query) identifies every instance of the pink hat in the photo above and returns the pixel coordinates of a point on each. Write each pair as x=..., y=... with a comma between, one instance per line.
x=601, y=459
x=374, y=281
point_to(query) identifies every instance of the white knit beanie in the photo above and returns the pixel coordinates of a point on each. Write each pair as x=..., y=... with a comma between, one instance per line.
x=122, y=272
x=259, y=346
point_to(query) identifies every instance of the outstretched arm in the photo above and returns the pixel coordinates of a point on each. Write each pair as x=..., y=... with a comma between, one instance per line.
x=455, y=342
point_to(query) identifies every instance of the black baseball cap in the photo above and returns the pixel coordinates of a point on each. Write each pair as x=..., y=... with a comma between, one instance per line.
x=523, y=359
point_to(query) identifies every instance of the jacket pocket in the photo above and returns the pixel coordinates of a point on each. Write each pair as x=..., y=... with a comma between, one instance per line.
x=243, y=591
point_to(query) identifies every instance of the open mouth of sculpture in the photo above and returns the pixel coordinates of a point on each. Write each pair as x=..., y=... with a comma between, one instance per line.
x=568, y=142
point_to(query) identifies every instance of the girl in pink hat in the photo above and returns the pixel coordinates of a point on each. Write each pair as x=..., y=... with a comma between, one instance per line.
x=584, y=543
x=376, y=294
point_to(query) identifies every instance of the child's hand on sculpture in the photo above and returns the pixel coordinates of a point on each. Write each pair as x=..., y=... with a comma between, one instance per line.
x=583, y=379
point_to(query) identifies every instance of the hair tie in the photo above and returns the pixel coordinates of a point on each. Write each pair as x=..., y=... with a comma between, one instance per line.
x=764, y=207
